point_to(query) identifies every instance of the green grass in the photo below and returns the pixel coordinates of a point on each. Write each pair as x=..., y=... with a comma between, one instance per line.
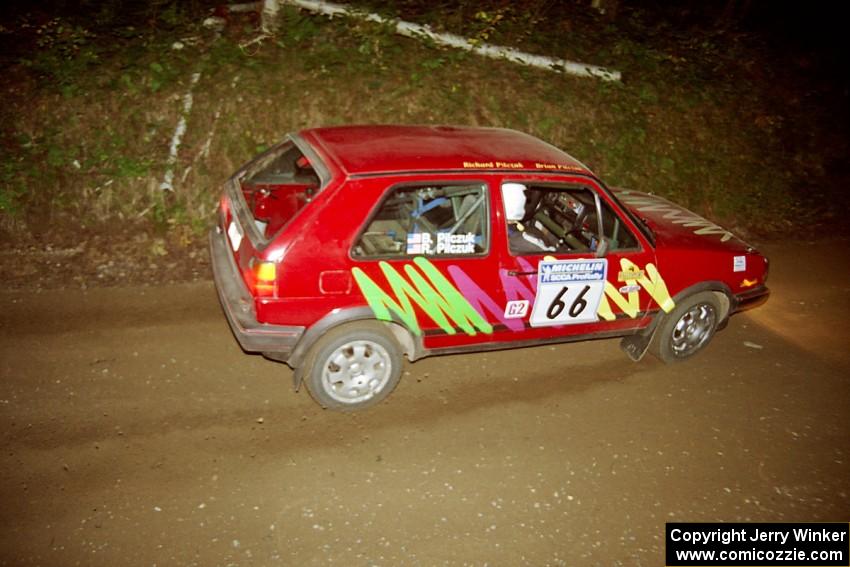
x=86, y=134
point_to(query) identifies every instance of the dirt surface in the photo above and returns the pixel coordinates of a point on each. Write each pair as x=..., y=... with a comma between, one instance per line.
x=136, y=432
x=69, y=256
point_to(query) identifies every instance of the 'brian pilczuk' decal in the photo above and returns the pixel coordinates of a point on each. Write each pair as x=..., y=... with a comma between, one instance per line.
x=433, y=293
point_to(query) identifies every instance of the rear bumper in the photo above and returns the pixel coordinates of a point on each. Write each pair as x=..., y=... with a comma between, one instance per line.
x=238, y=305
x=750, y=299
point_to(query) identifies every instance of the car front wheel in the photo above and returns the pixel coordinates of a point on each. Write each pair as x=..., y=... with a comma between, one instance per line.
x=353, y=367
x=688, y=328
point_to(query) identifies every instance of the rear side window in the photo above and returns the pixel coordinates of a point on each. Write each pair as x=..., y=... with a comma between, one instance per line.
x=431, y=220
x=278, y=187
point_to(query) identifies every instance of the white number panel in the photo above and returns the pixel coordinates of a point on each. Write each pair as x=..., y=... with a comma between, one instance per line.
x=568, y=291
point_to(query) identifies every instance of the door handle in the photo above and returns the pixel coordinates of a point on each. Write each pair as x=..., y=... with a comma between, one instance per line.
x=518, y=273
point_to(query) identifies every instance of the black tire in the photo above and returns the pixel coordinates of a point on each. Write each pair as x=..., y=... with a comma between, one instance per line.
x=688, y=328
x=353, y=367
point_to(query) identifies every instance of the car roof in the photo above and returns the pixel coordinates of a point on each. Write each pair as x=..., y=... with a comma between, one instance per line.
x=374, y=149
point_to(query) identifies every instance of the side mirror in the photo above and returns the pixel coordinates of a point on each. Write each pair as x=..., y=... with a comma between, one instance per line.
x=602, y=248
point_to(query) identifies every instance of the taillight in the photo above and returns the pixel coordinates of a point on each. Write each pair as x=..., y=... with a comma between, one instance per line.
x=224, y=207
x=265, y=275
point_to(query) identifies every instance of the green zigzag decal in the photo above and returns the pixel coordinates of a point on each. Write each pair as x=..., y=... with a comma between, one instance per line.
x=432, y=292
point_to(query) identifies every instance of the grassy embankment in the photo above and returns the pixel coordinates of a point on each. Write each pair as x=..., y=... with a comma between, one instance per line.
x=89, y=116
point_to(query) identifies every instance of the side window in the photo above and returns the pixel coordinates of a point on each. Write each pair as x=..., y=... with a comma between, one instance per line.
x=615, y=232
x=431, y=220
x=545, y=219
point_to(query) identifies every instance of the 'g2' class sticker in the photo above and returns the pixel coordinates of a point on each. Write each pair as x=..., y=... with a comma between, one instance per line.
x=516, y=309
x=568, y=291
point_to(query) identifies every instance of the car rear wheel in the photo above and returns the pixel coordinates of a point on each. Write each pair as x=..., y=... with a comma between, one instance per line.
x=688, y=328
x=353, y=367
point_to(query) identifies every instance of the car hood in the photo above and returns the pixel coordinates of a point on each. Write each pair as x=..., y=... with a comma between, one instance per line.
x=676, y=226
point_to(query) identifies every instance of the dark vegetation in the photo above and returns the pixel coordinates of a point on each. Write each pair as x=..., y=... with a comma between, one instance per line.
x=741, y=116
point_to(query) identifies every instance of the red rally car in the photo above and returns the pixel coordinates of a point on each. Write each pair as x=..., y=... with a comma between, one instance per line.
x=342, y=249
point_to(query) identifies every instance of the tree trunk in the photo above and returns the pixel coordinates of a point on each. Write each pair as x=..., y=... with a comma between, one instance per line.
x=269, y=16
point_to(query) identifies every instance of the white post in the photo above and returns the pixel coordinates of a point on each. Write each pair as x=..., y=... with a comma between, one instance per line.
x=168, y=181
x=269, y=16
x=453, y=40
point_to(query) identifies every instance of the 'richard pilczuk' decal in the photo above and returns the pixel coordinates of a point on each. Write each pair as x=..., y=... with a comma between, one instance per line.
x=433, y=293
x=568, y=291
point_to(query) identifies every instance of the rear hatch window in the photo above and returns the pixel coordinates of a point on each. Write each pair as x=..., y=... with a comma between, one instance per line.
x=276, y=186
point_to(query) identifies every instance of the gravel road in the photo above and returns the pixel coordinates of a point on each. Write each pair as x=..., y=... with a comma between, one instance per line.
x=134, y=431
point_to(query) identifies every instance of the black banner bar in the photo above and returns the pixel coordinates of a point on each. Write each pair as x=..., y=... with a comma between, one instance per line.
x=758, y=544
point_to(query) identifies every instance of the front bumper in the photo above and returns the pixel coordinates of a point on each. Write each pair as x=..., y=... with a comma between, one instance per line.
x=238, y=305
x=750, y=299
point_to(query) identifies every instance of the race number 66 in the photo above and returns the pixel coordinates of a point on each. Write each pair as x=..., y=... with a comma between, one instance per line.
x=558, y=304
x=561, y=301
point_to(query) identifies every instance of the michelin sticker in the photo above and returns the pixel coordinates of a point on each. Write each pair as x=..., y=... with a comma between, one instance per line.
x=568, y=291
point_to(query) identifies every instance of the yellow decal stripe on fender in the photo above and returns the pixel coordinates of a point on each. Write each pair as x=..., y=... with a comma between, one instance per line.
x=650, y=280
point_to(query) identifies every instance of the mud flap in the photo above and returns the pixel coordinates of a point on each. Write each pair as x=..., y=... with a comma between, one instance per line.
x=297, y=378
x=297, y=373
x=635, y=346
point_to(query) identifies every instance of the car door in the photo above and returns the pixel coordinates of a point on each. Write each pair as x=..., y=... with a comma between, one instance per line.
x=571, y=263
x=425, y=257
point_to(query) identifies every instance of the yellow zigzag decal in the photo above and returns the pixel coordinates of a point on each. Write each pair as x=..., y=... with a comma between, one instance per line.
x=651, y=281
